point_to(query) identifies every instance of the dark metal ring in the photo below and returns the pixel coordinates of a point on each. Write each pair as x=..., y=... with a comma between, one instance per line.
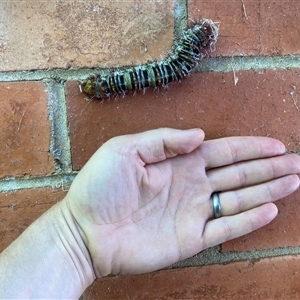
x=216, y=205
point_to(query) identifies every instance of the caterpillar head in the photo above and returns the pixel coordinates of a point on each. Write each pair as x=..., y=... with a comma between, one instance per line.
x=95, y=87
x=88, y=87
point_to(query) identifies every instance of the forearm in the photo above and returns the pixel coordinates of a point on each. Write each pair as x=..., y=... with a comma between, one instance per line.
x=49, y=260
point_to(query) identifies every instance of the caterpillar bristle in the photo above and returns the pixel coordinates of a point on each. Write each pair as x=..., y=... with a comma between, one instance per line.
x=196, y=42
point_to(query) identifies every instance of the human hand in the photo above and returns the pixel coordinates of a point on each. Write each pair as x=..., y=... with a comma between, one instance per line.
x=143, y=201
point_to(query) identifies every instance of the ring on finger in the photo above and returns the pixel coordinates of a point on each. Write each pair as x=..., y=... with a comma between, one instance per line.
x=217, y=209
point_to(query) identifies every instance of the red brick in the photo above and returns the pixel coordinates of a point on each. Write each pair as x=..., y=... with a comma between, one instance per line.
x=24, y=130
x=18, y=209
x=282, y=232
x=63, y=34
x=265, y=27
x=275, y=278
x=261, y=103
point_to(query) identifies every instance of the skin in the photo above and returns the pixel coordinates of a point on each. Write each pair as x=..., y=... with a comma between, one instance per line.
x=142, y=202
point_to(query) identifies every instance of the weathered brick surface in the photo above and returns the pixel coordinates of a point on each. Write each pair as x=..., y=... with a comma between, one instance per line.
x=268, y=279
x=24, y=130
x=261, y=103
x=18, y=209
x=262, y=27
x=62, y=34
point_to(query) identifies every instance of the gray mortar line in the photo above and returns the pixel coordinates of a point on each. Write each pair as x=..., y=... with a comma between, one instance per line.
x=180, y=17
x=60, y=141
x=215, y=64
x=54, y=74
x=54, y=181
x=244, y=63
x=214, y=255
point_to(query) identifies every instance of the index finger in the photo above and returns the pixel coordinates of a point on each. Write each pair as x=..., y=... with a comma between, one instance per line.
x=225, y=151
x=159, y=144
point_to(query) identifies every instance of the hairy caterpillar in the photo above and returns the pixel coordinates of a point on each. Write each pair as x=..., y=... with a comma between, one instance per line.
x=188, y=52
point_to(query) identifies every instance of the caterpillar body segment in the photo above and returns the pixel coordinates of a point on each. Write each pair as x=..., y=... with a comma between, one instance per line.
x=196, y=42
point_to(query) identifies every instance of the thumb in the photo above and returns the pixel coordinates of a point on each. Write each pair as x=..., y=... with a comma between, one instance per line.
x=159, y=144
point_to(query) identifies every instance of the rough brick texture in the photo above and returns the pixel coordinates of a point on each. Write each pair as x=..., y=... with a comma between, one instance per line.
x=261, y=103
x=18, y=209
x=262, y=27
x=24, y=130
x=62, y=34
x=236, y=281
x=79, y=34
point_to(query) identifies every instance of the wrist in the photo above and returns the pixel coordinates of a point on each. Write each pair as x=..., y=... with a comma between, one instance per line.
x=69, y=237
x=52, y=252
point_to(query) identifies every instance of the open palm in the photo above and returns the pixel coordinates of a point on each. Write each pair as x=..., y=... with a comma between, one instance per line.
x=143, y=201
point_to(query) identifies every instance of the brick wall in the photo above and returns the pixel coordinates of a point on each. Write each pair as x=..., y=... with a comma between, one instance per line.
x=249, y=86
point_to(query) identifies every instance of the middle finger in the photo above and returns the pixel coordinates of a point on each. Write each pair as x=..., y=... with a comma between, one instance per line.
x=252, y=172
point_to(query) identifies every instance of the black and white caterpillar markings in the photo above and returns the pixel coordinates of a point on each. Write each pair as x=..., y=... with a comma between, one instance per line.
x=189, y=51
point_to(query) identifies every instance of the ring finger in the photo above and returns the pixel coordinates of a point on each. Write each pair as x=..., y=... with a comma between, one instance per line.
x=246, y=210
x=234, y=202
